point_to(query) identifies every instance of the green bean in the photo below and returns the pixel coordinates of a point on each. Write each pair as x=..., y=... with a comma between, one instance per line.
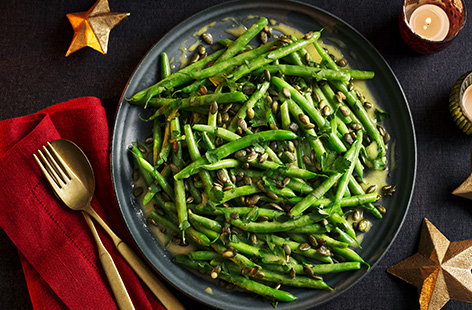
x=317, y=269
x=309, y=200
x=149, y=168
x=164, y=65
x=257, y=287
x=166, y=223
x=240, y=43
x=176, y=79
x=272, y=55
x=359, y=74
x=314, y=141
x=226, y=66
x=306, y=72
x=271, y=276
x=203, y=255
x=367, y=204
x=312, y=113
x=217, y=131
x=224, y=163
x=344, y=180
x=167, y=104
x=274, y=226
x=295, y=248
x=349, y=254
x=249, y=104
x=206, y=222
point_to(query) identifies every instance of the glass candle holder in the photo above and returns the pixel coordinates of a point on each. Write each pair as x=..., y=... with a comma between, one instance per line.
x=460, y=103
x=428, y=26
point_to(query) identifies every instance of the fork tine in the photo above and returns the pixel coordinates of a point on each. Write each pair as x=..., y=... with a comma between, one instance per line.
x=66, y=167
x=46, y=173
x=54, y=162
x=60, y=182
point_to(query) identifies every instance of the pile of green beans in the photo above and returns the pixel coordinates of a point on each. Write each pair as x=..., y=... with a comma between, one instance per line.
x=256, y=156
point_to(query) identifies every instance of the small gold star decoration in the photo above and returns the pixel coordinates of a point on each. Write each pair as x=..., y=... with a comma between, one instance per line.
x=465, y=189
x=92, y=28
x=441, y=270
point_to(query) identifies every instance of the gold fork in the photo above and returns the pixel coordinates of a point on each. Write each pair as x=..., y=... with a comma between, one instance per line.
x=58, y=180
x=73, y=191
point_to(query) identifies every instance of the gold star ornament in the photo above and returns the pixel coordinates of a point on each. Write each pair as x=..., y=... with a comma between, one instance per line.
x=93, y=27
x=465, y=189
x=441, y=270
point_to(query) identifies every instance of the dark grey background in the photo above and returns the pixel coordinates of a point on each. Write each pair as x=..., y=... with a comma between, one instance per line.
x=35, y=74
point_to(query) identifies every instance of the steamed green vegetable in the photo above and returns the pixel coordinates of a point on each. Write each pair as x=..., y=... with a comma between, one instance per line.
x=257, y=156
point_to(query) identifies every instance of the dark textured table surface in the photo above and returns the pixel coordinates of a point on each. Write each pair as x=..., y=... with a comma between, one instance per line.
x=35, y=74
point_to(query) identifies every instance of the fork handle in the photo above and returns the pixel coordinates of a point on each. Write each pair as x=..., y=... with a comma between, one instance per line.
x=142, y=270
x=114, y=279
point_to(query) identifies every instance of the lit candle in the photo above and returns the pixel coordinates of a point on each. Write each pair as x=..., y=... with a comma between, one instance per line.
x=466, y=102
x=430, y=22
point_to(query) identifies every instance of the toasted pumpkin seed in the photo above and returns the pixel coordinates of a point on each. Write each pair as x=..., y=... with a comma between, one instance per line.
x=229, y=253
x=326, y=110
x=308, y=270
x=312, y=240
x=287, y=249
x=371, y=189
x=201, y=49
x=194, y=58
x=263, y=37
x=304, y=247
x=356, y=126
x=253, y=239
x=364, y=225
x=252, y=200
x=308, y=35
x=292, y=273
x=342, y=62
x=262, y=218
x=304, y=118
x=267, y=75
x=250, y=113
x=286, y=92
x=345, y=111
x=276, y=206
x=293, y=127
x=322, y=250
x=348, y=138
x=381, y=209
x=263, y=157
x=207, y=38
x=222, y=176
x=242, y=123
x=272, y=195
x=275, y=106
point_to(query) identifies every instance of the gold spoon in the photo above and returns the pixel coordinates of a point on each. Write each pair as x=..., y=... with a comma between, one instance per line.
x=69, y=168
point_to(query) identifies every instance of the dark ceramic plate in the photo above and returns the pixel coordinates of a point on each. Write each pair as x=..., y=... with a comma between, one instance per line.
x=384, y=88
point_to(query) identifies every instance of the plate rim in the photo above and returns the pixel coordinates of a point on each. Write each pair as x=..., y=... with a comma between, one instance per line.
x=122, y=101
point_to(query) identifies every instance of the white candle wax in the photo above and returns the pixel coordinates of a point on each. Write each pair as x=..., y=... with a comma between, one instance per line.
x=430, y=22
x=466, y=102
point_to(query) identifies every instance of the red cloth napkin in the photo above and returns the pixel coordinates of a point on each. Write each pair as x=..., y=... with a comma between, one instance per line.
x=57, y=250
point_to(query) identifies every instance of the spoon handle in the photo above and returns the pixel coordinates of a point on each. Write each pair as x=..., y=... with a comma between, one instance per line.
x=116, y=283
x=142, y=270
